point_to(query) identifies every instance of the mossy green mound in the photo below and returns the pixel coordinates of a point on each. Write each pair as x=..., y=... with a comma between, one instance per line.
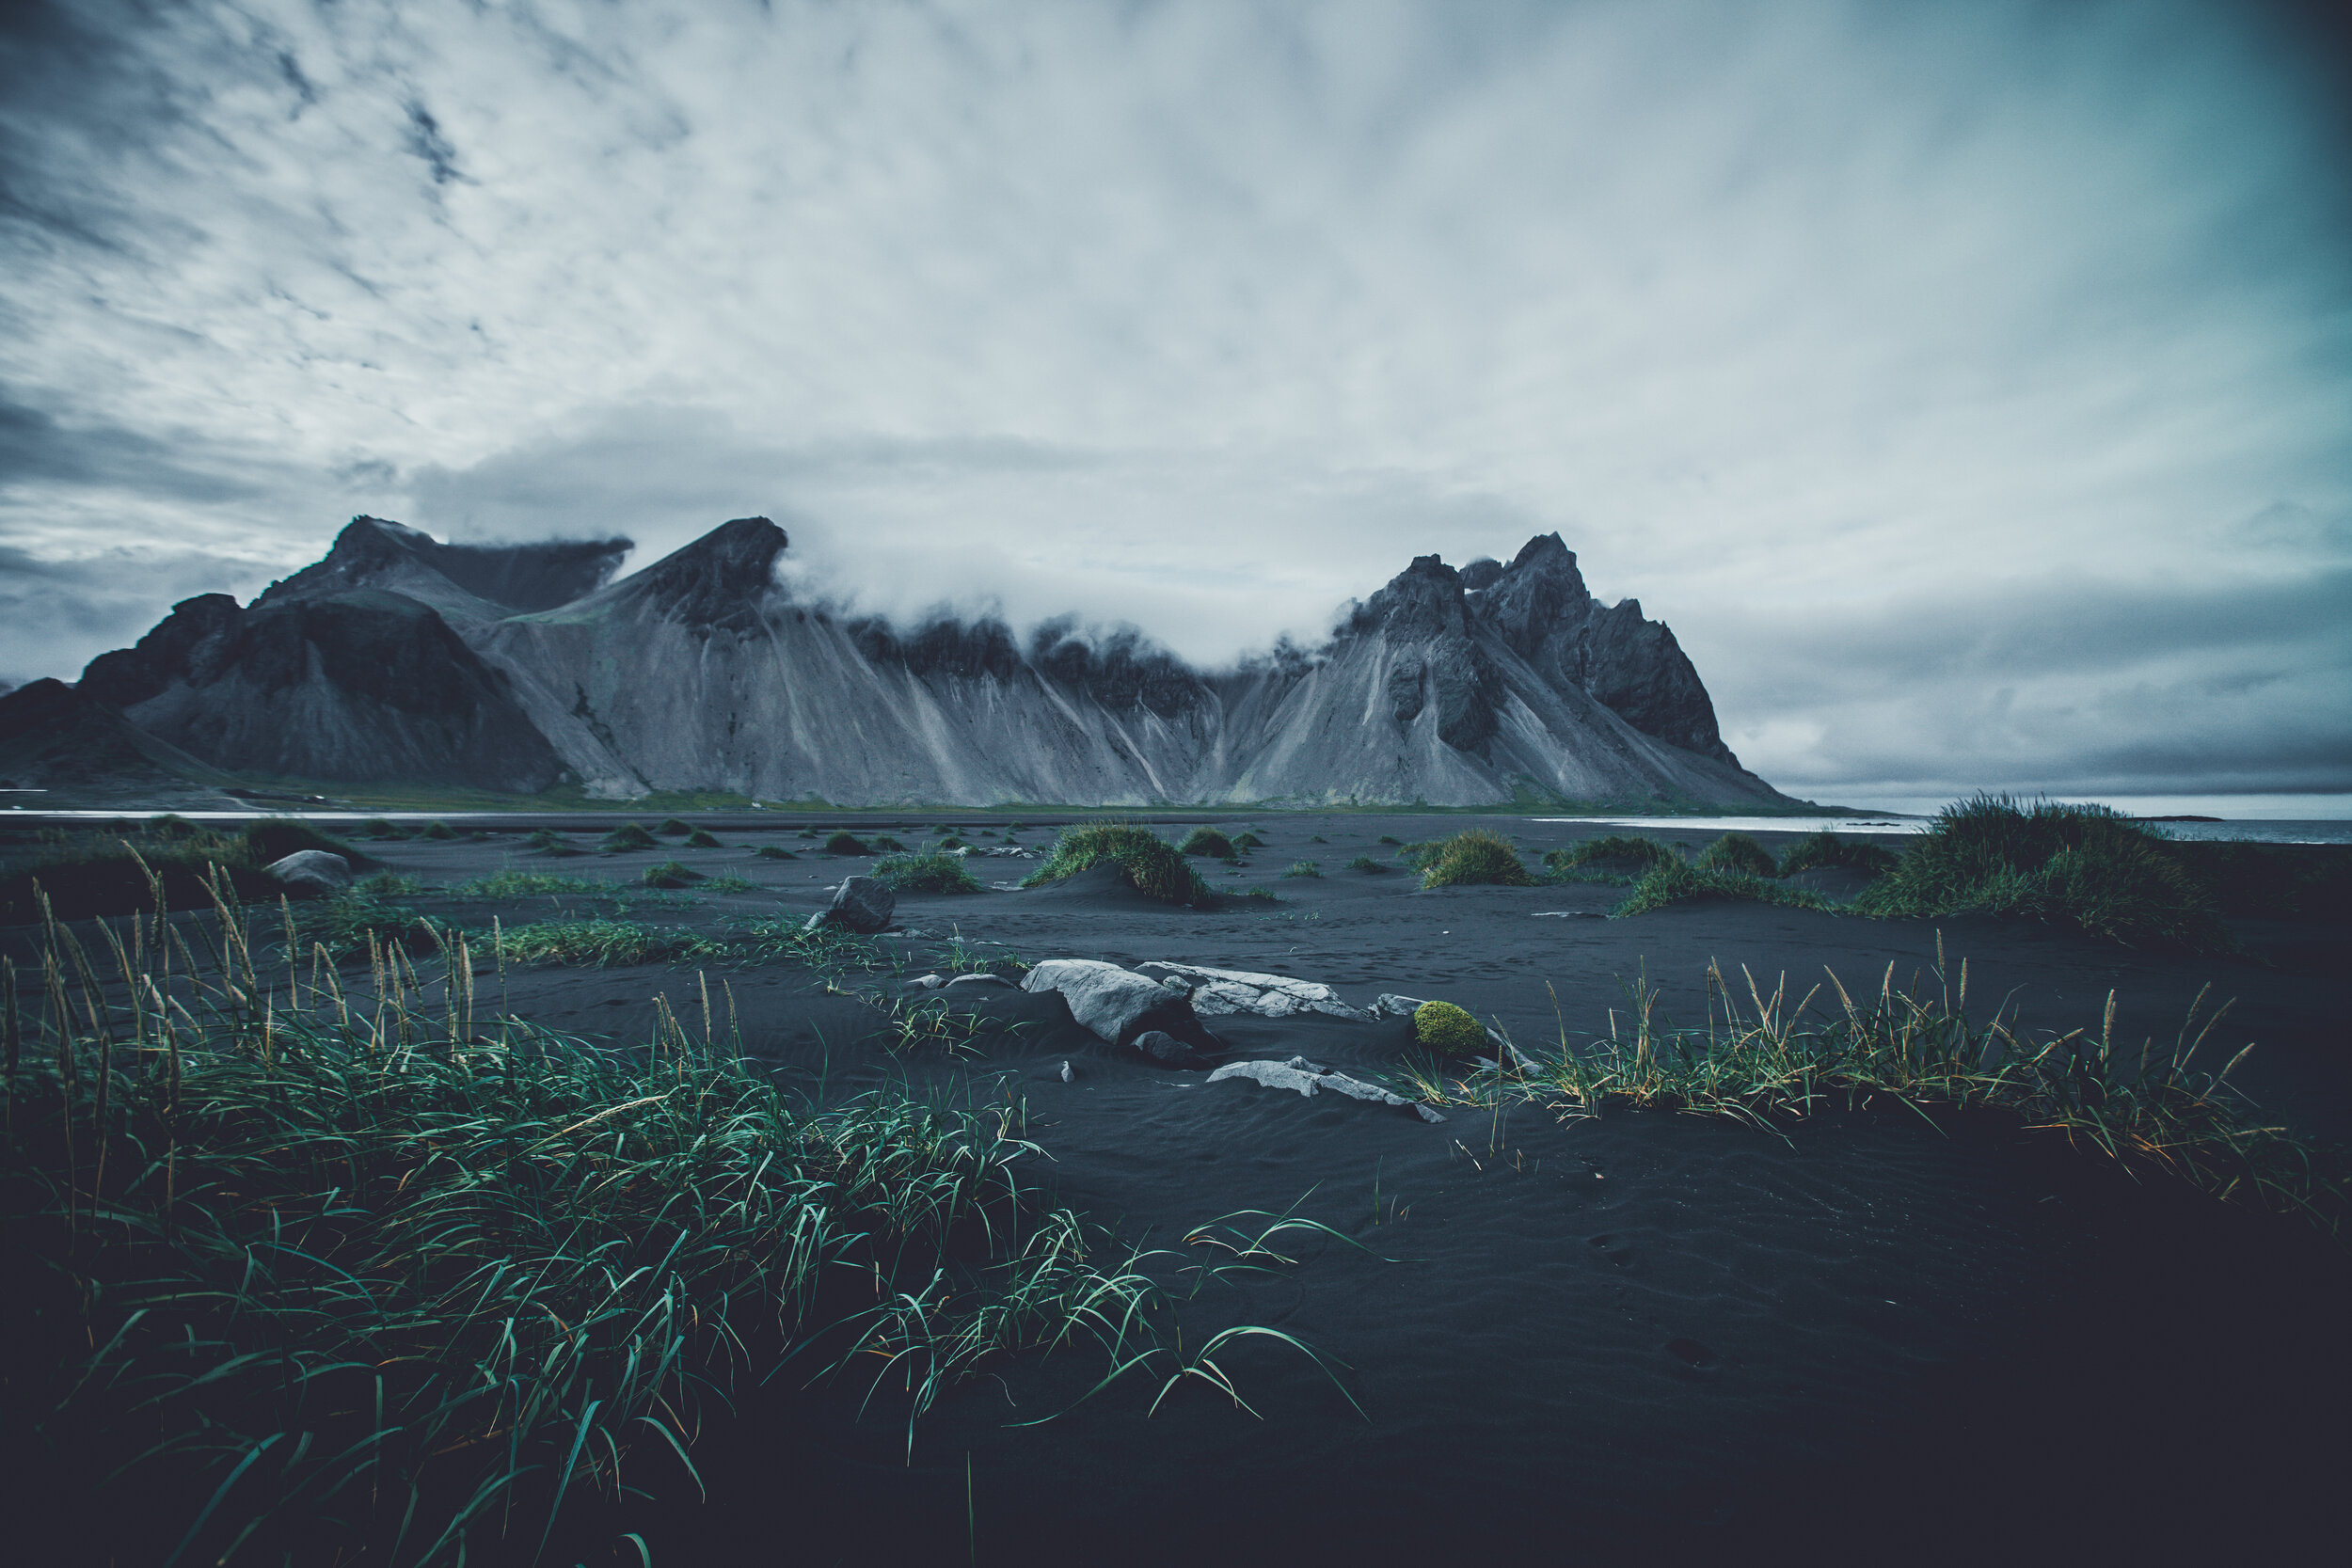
x=844, y=842
x=1615, y=851
x=629, y=836
x=1448, y=1029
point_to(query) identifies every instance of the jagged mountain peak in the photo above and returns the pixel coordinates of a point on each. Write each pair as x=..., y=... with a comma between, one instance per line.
x=377, y=552
x=718, y=581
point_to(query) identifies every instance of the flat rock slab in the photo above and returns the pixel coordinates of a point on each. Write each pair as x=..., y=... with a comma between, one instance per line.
x=1309, y=1079
x=1242, y=990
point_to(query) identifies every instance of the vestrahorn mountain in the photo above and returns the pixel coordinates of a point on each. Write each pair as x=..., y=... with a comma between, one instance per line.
x=398, y=659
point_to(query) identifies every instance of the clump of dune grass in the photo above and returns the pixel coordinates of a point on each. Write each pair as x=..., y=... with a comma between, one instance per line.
x=378, y=827
x=437, y=830
x=379, y=1276
x=630, y=835
x=1477, y=856
x=774, y=852
x=806, y=833
x=1675, y=881
x=1365, y=862
x=1448, y=1030
x=1304, y=868
x=1765, y=1058
x=1817, y=851
x=1248, y=841
x=1617, y=852
x=729, y=885
x=1147, y=862
x=950, y=841
x=548, y=842
x=936, y=873
x=1207, y=840
x=1392, y=839
x=598, y=943
x=534, y=885
x=701, y=838
x=673, y=827
x=1738, y=854
x=843, y=841
x=888, y=845
x=961, y=955
x=2084, y=865
x=109, y=871
x=672, y=874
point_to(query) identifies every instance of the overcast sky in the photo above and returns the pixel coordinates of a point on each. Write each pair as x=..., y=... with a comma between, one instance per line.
x=1969, y=385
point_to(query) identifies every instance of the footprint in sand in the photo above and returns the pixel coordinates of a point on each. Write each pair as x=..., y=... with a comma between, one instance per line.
x=1695, y=1356
x=1617, y=1252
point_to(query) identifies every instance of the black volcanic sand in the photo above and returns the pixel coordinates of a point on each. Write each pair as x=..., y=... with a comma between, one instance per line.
x=1641, y=1336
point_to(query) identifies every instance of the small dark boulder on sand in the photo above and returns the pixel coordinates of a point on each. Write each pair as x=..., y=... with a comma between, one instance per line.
x=1166, y=1049
x=860, y=904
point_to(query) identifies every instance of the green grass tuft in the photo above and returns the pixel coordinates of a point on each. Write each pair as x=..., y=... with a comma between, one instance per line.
x=774, y=852
x=701, y=839
x=936, y=873
x=1736, y=853
x=1248, y=841
x=1148, y=862
x=844, y=842
x=889, y=845
x=1304, y=868
x=1619, y=852
x=1477, y=856
x=1817, y=851
x=1674, y=882
x=2088, y=866
x=671, y=827
x=1365, y=862
x=670, y=874
x=630, y=835
x=437, y=830
x=1207, y=840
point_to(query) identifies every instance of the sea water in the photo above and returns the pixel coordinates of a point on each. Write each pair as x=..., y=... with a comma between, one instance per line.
x=2245, y=832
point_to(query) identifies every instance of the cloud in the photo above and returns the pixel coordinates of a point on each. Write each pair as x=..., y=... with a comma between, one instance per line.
x=1208, y=317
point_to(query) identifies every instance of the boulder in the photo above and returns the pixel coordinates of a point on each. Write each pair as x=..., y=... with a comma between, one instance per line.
x=1390, y=1006
x=860, y=904
x=1117, y=1004
x=1166, y=1050
x=313, y=870
x=1309, y=1079
x=1243, y=990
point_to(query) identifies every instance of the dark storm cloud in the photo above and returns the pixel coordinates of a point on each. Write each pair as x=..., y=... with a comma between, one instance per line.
x=35, y=449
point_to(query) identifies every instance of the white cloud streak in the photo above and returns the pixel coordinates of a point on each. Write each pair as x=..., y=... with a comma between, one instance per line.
x=1206, y=317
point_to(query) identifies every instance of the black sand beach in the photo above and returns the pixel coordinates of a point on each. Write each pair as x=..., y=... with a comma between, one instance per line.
x=1870, y=1334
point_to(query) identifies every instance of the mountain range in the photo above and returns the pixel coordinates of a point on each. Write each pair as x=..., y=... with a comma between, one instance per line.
x=523, y=668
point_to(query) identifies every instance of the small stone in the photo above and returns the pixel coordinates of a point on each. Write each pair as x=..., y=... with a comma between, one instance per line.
x=982, y=979
x=1066, y=1074
x=1166, y=1050
x=927, y=982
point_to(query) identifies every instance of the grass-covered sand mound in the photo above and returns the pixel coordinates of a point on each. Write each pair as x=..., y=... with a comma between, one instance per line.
x=1150, y=864
x=109, y=870
x=2083, y=866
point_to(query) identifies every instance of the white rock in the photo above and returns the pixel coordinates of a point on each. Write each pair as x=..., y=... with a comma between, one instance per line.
x=927, y=982
x=1395, y=1007
x=316, y=869
x=1243, y=991
x=1309, y=1079
x=1110, y=1003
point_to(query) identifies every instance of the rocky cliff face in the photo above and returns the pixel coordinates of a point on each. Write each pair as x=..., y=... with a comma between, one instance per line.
x=400, y=657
